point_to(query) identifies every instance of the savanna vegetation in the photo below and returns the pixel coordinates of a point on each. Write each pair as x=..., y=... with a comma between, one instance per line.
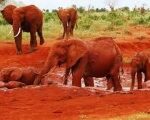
x=91, y=23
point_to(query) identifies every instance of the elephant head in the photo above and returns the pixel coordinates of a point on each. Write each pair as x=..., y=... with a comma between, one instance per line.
x=68, y=52
x=9, y=74
x=140, y=63
x=7, y=13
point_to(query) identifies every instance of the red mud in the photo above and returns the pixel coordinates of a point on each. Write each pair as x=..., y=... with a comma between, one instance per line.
x=52, y=103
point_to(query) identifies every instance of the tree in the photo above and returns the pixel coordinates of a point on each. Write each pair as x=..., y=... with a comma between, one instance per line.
x=111, y=4
x=81, y=9
x=1, y=1
x=15, y=2
x=101, y=10
x=142, y=9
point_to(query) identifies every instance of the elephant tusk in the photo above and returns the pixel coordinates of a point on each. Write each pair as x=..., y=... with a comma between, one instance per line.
x=10, y=31
x=18, y=32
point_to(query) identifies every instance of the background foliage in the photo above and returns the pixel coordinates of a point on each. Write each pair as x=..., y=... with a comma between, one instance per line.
x=91, y=23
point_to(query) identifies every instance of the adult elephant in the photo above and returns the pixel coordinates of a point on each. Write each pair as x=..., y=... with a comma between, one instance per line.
x=95, y=58
x=27, y=19
x=68, y=17
x=140, y=64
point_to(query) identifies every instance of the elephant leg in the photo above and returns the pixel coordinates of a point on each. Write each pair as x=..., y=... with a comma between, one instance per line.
x=147, y=76
x=116, y=83
x=115, y=78
x=65, y=29
x=88, y=81
x=33, y=41
x=114, y=74
x=72, y=27
x=109, y=83
x=77, y=72
x=139, y=79
x=68, y=29
x=41, y=35
x=133, y=80
x=66, y=76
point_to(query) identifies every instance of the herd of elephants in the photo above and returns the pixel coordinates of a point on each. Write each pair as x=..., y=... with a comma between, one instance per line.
x=100, y=57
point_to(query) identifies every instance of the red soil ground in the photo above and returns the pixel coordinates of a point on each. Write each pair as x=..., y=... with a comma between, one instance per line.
x=62, y=103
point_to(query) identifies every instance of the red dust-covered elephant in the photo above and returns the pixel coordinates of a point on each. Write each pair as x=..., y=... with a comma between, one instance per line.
x=68, y=17
x=95, y=58
x=17, y=77
x=140, y=64
x=27, y=19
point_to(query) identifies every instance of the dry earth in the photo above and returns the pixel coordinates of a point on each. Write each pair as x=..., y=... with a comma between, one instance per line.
x=68, y=103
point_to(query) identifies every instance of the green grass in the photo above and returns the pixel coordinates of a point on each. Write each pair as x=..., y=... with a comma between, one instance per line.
x=138, y=116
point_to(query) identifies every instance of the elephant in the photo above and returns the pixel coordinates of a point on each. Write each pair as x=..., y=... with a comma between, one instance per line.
x=68, y=17
x=100, y=57
x=23, y=75
x=140, y=63
x=27, y=19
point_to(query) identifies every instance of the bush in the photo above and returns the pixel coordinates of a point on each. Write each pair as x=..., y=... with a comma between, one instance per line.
x=2, y=21
x=49, y=16
x=91, y=23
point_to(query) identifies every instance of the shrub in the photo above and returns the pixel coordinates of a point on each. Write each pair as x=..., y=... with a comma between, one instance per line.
x=2, y=21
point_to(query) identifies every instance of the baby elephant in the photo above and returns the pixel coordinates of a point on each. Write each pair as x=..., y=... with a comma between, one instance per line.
x=140, y=64
x=19, y=75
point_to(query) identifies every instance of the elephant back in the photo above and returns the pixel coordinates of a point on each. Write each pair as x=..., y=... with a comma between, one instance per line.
x=104, y=55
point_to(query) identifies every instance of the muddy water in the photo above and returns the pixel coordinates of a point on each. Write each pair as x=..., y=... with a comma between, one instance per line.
x=99, y=83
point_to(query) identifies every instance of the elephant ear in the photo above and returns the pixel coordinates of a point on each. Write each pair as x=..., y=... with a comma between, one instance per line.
x=7, y=13
x=76, y=50
x=16, y=74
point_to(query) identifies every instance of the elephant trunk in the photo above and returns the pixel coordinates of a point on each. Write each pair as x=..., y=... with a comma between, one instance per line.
x=17, y=35
x=49, y=64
